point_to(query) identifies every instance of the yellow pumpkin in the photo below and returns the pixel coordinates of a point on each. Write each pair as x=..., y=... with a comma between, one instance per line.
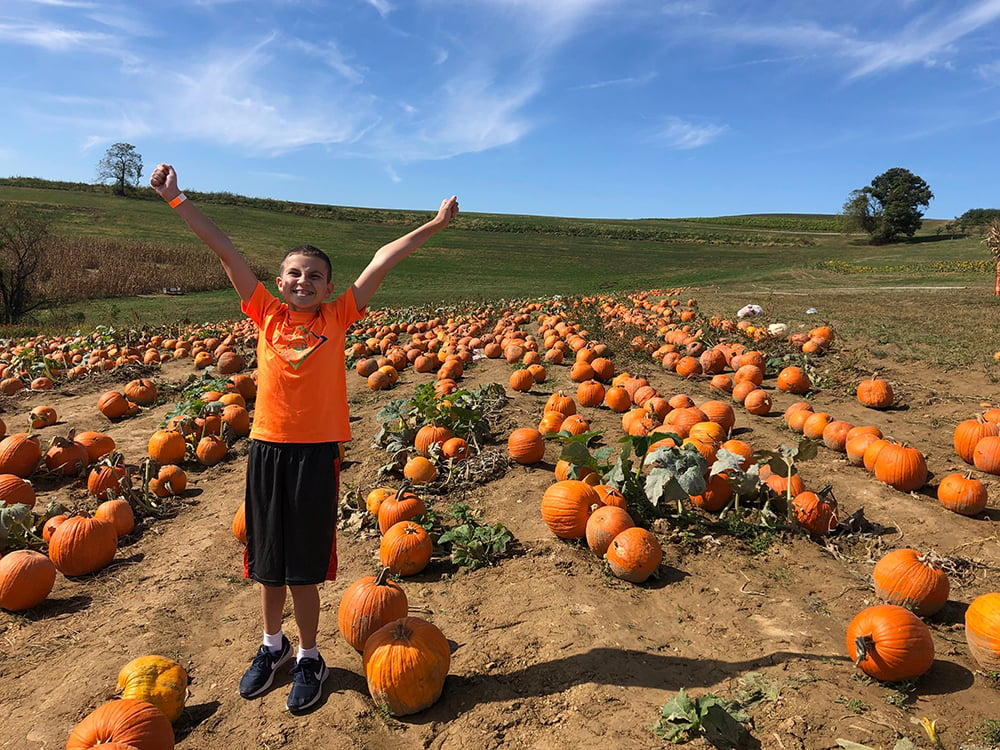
x=157, y=680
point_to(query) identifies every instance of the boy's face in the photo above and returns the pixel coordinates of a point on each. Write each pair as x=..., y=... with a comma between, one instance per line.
x=304, y=283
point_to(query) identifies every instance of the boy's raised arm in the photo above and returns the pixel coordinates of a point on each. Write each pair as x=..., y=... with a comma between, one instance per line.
x=164, y=181
x=389, y=255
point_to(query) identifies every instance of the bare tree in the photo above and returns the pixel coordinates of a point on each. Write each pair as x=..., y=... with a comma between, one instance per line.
x=23, y=240
x=122, y=166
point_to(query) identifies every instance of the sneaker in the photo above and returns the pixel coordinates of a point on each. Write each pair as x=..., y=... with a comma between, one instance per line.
x=307, y=684
x=260, y=675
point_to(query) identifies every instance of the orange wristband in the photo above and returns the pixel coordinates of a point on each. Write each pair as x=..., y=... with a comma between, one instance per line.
x=178, y=200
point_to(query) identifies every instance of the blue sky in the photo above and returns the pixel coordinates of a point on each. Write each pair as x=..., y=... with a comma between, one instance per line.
x=587, y=108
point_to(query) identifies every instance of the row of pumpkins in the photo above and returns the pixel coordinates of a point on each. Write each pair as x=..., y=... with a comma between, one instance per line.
x=889, y=641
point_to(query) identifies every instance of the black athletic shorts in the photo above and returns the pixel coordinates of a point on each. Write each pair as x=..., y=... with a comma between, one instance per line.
x=291, y=512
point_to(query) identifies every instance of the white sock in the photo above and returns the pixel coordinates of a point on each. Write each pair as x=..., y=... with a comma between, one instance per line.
x=307, y=653
x=273, y=640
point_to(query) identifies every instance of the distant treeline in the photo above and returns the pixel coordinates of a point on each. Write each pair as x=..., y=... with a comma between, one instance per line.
x=648, y=230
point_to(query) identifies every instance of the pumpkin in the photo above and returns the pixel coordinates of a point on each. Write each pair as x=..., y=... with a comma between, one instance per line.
x=740, y=448
x=815, y=423
x=49, y=528
x=210, y=450
x=66, y=457
x=170, y=480
x=406, y=662
x=525, y=445
x=431, y=437
x=875, y=393
x=816, y=512
x=985, y=456
x=113, y=405
x=610, y=495
x=783, y=487
x=521, y=380
x=793, y=379
x=590, y=393
x=42, y=416
x=26, y=579
x=239, y=524
x=909, y=579
x=229, y=363
x=562, y=403
x=604, y=524
x=375, y=498
x=901, y=466
x=420, y=470
x=97, y=444
x=969, y=432
x=634, y=555
x=890, y=643
x=20, y=454
x=404, y=505
x=982, y=630
x=835, y=433
x=119, y=514
x=405, y=548
x=566, y=507
x=617, y=399
x=368, y=604
x=126, y=721
x=238, y=419
x=856, y=445
x=141, y=391
x=14, y=490
x=82, y=545
x=962, y=494
x=157, y=680
x=719, y=412
x=718, y=492
x=167, y=447
x=456, y=448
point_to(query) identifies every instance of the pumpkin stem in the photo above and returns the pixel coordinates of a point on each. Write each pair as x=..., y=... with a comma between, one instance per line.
x=407, y=483
x=863, y=644
x=382, y=578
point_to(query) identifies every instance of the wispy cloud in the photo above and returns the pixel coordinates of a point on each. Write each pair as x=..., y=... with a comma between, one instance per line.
x=630, y=81
x=54, y=38
x=680, y=134
x=383, y=7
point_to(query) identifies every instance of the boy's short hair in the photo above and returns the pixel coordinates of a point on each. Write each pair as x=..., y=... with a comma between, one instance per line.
x=309, y=251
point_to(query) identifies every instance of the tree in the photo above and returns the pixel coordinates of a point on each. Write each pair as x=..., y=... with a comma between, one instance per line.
x=889, y=206
x=23, y=241
x=122, y=166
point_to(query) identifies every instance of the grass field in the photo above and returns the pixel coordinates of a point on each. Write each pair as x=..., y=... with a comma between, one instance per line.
x=928, y=299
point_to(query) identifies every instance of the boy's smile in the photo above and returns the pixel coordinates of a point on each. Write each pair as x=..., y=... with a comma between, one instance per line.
x=303, y=283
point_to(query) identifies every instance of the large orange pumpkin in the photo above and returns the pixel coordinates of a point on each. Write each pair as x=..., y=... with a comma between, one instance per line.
x=368, y=604
x=20, y=454
x=982, y=630
x=26, y=579
x=566, y=507
x=909, y=579
x=604, y=524
x=406, y=662
x=525, y=445
x=167, y=447
x=405, y=548
x=404, y=505
x=15, y=490
x=634, y=555
x=890, y=643
x=126, y=721
x=901, y=466
x=97, y=444
x=82, y=545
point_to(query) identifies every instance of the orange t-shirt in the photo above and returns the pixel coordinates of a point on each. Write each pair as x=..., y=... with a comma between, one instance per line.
x=301, y=383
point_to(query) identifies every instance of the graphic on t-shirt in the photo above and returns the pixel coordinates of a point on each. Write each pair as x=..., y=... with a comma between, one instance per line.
x=295, y=344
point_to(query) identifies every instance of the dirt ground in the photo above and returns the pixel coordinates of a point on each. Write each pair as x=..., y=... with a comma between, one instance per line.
x=548, y=649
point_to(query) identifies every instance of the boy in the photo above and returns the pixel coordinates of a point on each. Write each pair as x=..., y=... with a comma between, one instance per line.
x=300, y=416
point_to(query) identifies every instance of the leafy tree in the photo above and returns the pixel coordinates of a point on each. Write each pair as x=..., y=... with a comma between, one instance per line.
x=23, y=240
x=121, y=166
x=889, y=207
